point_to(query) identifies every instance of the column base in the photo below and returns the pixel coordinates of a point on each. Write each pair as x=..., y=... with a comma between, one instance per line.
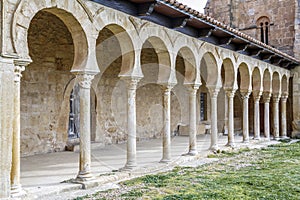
x=191, y=153
x=230, y=144
x=247, y=140
x=84, y=176
x=128, y=167
x=214, y=147
x=17, y=191
x=165, y=160
x=257, y=138
x=284, y=137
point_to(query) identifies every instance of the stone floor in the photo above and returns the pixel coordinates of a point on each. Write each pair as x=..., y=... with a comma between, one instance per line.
x=42, y=175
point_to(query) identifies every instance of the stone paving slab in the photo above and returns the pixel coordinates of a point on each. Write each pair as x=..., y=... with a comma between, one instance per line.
x=49, y=176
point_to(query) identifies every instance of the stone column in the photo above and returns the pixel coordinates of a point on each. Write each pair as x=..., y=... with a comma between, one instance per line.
x=193, y=120
x=230, y=94
x=256, y=96
x=85, y=80
x=214, y=117
x=166, y=157
x=131, y=122
x=275, y=99
x=245, y=96
x=283, y=116
x=16, y=188
x=266, y=99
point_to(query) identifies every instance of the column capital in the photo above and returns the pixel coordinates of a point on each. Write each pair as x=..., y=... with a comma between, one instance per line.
x=18, y=72
x=20, y=65
x=192, y=88
x=230, y=92
x=131, y=82
x=213, y=91
x=267, y=97
x=168, y=87
x=245, y=94
x=257, y=95
x=276, y=98
x=85, y=80
x=284, y=97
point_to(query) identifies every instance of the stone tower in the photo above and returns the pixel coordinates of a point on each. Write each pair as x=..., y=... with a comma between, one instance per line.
x=270, y=21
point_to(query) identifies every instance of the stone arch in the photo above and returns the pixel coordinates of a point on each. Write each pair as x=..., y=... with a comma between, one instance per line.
x=267, y=81
x=228, y=74
x=189, y=60
x=164, y=59
x=276, y=84
x=126, y=31
x=73, y=15
x=256, y=79
x=245, y=77
x=126, y=45
x=284, y=84
x=209, y=69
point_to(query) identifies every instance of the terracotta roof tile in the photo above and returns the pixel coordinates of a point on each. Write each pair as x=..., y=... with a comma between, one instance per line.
x=221, y=25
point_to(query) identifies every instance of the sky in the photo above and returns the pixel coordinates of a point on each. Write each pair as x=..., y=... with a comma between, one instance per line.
x=195, y=4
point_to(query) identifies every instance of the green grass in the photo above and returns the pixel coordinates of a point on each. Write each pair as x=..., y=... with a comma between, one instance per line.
x=269, y=173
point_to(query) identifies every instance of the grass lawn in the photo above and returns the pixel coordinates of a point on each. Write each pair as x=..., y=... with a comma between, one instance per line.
x=269, y=173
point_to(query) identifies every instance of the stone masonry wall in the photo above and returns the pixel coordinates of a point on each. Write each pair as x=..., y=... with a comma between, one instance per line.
x=243, y=15
x=43, y=85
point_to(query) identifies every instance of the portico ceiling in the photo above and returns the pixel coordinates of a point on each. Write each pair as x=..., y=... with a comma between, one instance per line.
x=178, y=17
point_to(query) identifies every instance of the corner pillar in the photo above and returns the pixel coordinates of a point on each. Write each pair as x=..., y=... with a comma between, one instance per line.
x=85, y=80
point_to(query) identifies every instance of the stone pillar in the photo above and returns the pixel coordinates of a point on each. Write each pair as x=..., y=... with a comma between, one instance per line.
x=256, y=96
x=230, y=94
x=266, y=99
x=16, y=188
x=193, y=120
x=245, y=96
x=85, y=80
x=166, y=157
x=276, y=98
x=131, y=122
x=214, y=117
x=295, y=96
x=7, y=77
x=283, y=116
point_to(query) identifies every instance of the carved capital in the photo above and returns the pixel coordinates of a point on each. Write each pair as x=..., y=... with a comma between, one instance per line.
x=213, y=91
x=192, y=88
x=256, y=95
x=276, y=98
x=284, y=98
x=85, y=80
x=230, y=93
x=245, y=94
x=18, y=73
x=19, y=68
x=267, y=97
x=131, y=82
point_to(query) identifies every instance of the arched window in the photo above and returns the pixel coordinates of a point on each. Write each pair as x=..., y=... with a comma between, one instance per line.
x=263, y=26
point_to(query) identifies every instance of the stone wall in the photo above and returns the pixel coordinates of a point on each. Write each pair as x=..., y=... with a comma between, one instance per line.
x=243, y=15
x=44, y=84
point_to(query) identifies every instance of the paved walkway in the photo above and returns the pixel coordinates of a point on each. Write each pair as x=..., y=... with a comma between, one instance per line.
x=42, y=175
